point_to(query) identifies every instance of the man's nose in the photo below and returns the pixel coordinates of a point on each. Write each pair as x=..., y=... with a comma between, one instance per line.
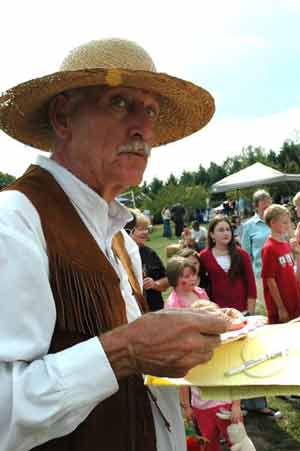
x=142, y=126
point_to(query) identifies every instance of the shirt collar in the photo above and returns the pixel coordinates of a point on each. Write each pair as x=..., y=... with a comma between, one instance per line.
x=110, y=218
x=257, y=218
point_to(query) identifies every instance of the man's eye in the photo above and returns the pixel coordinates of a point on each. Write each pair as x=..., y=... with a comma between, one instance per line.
x=120, y=102
x=152, y=112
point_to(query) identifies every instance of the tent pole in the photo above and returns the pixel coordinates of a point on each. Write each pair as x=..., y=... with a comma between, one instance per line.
x=237, y=200
x=133, y=199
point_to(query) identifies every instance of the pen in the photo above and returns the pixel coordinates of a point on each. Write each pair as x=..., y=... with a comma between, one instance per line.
x=254, y=362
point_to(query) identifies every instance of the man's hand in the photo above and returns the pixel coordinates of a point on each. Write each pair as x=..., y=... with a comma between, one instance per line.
x=165, y=343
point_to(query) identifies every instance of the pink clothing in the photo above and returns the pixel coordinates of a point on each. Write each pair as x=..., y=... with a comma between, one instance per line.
x=204, y=411
x=175, y=301
x=203, y=404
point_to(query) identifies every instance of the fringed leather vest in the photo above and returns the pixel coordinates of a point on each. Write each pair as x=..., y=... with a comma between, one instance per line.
x=88, y=302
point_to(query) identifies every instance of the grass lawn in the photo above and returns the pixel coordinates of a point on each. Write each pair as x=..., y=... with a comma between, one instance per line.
x=159, y=243
x=267, y=435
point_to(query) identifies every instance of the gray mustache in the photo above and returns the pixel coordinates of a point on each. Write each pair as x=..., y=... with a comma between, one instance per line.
x=136, y=146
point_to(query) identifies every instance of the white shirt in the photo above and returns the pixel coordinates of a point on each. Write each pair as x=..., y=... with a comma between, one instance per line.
x=199, y=235
x=44, y=396
x=224, y=261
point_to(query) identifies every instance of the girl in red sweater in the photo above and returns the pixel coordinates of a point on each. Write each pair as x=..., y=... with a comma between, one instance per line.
x=227, y=268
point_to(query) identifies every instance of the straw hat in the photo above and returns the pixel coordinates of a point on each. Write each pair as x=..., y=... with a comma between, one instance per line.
x=185, y=107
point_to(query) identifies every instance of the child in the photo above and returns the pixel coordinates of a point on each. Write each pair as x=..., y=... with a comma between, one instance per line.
x=182, y=276
x=281, y=289
x=193, y=256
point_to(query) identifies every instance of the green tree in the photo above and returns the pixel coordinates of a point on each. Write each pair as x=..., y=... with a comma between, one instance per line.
x=172, y=180
x=155, y=186
x=289, y=157
x=201, y=176
x=187, y=178
x=215, y=173
x=190, y=196
x=6, y=179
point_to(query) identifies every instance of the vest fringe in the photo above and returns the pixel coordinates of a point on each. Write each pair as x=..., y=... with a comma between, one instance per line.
x=80, y=298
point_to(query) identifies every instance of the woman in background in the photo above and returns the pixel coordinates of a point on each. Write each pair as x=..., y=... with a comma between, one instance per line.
x=166, y=217
x=154, y=273
x=228, y=268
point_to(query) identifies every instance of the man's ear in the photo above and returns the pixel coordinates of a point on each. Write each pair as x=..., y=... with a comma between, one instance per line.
x=59, y=109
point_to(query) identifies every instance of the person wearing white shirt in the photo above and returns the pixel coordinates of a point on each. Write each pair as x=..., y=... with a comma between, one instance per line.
x=73, y=344
x=199, y=235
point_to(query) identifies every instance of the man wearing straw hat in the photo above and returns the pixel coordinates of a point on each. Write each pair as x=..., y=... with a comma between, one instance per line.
x=73, y=342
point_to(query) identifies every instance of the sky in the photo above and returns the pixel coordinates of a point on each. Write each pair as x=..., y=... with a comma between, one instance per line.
x=246, y=53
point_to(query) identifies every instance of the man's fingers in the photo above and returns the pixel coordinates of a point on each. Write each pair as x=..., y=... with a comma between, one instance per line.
x=182, y=340
x=182, y=367
x=210, y=321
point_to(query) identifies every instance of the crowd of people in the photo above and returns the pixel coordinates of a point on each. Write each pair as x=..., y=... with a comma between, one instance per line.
x=251, y=266
x=77, y=335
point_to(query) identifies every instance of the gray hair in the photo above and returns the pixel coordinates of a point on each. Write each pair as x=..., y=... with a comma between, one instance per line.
x=259, y=195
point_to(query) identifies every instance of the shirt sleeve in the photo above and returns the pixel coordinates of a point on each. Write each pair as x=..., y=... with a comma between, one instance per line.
x=155, y=267
x=252, y=292
x=246, y=240
x=205, y=282
x=42, y=396
x=269, y=263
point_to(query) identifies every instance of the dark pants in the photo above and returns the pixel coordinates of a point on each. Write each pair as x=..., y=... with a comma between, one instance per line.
x=167, y=232
x=255, y=404
x=179, y=227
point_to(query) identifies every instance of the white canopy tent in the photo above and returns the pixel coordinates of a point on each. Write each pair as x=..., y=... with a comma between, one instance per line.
x=256, y=174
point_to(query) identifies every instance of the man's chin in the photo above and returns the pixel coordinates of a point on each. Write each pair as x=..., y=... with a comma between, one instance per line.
x=133, y=178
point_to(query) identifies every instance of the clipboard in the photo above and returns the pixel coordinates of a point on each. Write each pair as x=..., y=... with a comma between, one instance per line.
x=272, y=377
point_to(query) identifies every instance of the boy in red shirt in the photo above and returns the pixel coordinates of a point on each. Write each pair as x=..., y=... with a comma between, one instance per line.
x=281, y=289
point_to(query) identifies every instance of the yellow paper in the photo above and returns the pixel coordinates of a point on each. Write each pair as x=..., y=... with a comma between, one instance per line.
x=273, y=377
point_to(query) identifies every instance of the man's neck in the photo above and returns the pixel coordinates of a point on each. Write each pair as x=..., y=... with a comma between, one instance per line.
x=107, y=193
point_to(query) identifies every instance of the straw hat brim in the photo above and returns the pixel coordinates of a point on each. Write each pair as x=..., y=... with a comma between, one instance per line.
x=184, y=107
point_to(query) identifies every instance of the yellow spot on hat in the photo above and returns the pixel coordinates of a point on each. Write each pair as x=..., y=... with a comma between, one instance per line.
x=113, y=77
